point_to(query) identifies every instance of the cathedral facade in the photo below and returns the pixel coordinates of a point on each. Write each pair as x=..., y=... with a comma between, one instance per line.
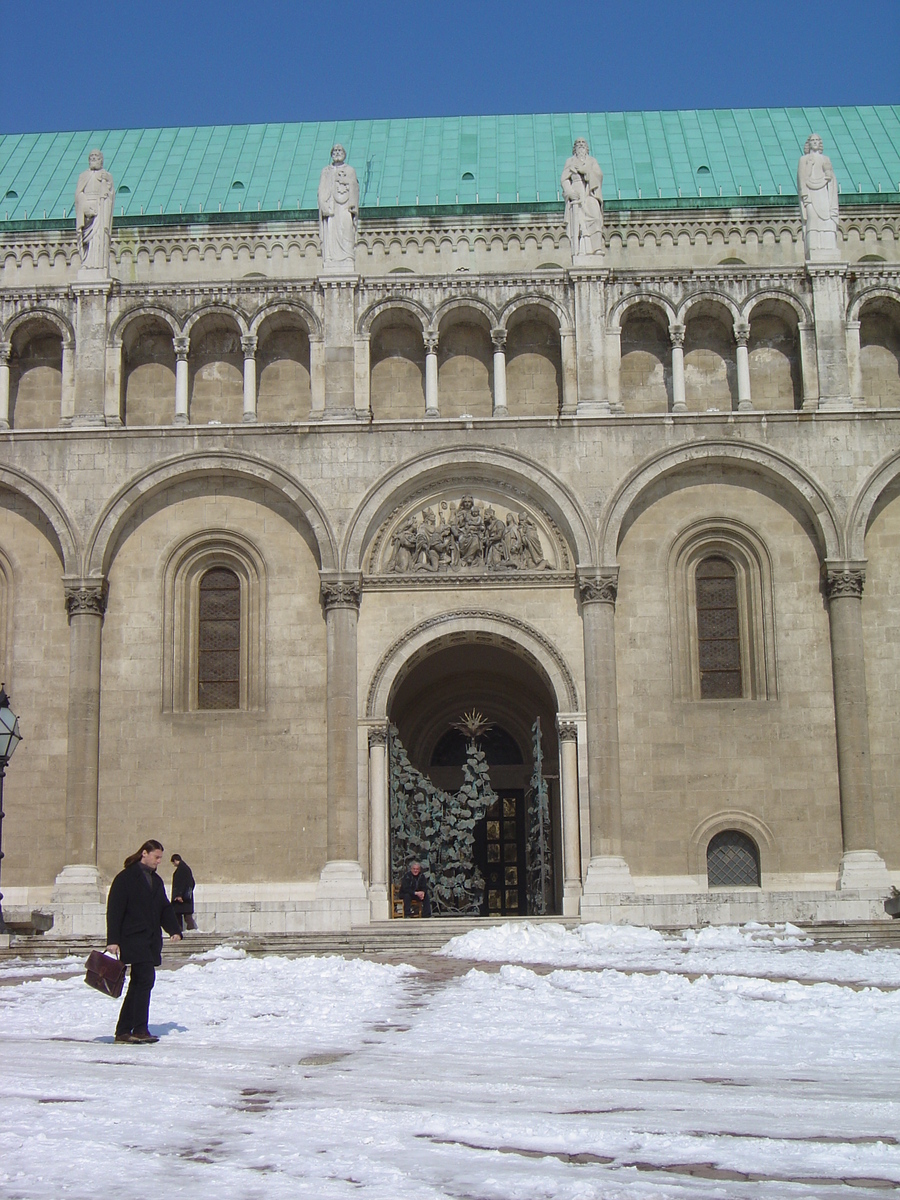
x=315, y=438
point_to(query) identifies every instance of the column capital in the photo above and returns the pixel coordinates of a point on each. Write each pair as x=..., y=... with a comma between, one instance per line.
x=182, y=346
x=676, y=334
x=378, y=735
x=598, y=586
x=498, y=337
x=431, y=342
x=340, y=590
x=5, y=350
x=853, y=326
x=568, y=731
x=742, y=334
x=844, y=578
x=86, y=597
x=248, y=345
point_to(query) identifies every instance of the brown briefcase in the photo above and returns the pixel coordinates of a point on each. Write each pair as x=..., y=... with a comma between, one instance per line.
x=105, y=973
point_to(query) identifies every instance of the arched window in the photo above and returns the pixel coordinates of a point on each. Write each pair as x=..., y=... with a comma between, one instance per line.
x=219, y=640
x=732, y=860
x=718, y=630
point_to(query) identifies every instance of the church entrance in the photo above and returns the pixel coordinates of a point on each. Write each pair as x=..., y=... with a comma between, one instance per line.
x=474, y=781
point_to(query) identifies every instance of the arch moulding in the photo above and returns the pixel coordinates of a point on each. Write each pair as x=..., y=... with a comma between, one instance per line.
x=507, y=632
x=796, y=484
x=102, y=540
x=861, y=509
x=744, y=822
x=68, y=545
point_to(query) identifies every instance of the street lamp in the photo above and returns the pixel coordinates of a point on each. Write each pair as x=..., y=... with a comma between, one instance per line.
x=9, y=739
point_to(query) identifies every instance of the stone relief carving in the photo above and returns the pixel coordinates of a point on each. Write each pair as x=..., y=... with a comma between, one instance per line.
x=470, y=536
x=338, y=212
x=95, y=198
x=582, y=186
x=818, y=192
x=847, y=581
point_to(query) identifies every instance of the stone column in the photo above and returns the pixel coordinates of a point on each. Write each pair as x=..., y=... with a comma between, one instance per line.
x=829, y=288
x=67, y=398
x=248, y=345
x=379, y=818
x=607, y=870
x=676, y=336
x=339, y=294
x=809, y=374
x=742, y=356
x=861, y=865
x=316, y=377
x=90, y=352
x=590, y=328
x=614, y=369
x=569, y=372
x=112, y=405
x=854, y=364
x=342, y=877
x=182, y=350
x=362, y=371
x=501, y=408
x=432, y=404
x=5, y=348
x=568, y=787
x=79, y=881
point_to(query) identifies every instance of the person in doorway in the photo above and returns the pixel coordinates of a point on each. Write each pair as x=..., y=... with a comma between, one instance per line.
x=414, y=886
x=137, y=911
x=183, y=892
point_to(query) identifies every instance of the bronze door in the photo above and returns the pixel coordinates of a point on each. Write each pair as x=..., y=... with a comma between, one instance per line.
x=504, y=870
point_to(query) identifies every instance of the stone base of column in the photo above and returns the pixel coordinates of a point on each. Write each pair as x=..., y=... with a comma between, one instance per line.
x=88, y=421
x=181, y=419
x=864, y=870
x=379, y=902
x=835, y=404
x=606, y=875
x=78, y=902
x=249, y=418
x=592, y=408
x=341, y=895
x=571, y=899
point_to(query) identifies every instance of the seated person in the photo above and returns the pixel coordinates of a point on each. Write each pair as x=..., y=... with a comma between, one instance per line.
x=414, y=886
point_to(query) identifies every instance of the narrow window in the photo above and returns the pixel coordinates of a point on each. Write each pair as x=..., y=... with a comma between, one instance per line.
x=718, y=633
x=219, y=649
x=732, y=860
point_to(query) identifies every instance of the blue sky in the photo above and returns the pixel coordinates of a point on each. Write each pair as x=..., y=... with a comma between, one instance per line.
x=117, y=63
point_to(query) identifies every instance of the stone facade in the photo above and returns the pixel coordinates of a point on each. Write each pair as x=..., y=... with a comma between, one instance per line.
x=221, y=403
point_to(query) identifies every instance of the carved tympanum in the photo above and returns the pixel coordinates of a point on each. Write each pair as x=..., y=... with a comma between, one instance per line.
x=468, y=536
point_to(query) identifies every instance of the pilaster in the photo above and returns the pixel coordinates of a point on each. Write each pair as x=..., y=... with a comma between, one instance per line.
x=829, y=288
x=91, y=305
x=590, y=327
x=339, y=299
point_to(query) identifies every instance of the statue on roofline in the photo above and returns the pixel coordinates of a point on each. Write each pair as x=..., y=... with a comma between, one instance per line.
x=338, y=212
x=582, y=187
x=818, y=192
x=95, y=197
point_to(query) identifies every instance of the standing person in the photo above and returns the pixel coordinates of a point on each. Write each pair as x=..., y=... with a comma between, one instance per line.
x=183, y=892
x=414, y=886
x=137, y=911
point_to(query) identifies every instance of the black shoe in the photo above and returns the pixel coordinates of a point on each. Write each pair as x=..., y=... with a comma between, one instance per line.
x=143, y=1039
x=126, y=1037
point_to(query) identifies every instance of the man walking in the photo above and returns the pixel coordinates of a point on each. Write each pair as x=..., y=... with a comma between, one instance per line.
x=183, y=892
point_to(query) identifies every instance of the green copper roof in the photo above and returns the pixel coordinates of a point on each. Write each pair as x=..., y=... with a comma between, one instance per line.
x=446, y=161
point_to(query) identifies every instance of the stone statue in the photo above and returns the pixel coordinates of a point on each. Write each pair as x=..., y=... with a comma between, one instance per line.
x=471, y=537
x=95, y=197
x=818, y=192
x=582, y=184
x=338, y=212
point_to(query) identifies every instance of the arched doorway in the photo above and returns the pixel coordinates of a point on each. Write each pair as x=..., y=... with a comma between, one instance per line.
x=478, y=673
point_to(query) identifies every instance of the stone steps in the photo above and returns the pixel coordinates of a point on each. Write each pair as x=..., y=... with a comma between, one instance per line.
x=390, y=938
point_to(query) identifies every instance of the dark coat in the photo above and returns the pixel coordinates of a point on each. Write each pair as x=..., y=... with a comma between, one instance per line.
x=410, y=884
x=137, y=914
x=183, y=886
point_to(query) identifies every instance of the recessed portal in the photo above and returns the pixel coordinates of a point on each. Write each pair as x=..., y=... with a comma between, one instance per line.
x=488, y=778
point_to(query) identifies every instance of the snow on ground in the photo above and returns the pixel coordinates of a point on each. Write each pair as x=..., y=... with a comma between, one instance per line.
x=329, y=1078
x=777, y=951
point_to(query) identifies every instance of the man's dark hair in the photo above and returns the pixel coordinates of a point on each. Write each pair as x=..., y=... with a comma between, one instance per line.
x=175, y=858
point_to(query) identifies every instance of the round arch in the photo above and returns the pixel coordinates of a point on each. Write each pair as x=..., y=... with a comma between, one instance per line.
x=744, y=822
x=381, y=307
x=434, y=633
x=102, y=539
x=537, y=301
x=292, y=307
x=701, y=299
x=772, y=294
x=216, y=310
x=461, y=304
x=68, y=540
x=806, y=492
x=648, y=299
x=498, y=468
x=862, y=507
x=874, y=293
x=66, y=331
x=120, y=326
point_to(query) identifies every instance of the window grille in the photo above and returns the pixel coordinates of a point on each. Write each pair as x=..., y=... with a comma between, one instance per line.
x=718, y=631
x=219, y=649
x=732, y=860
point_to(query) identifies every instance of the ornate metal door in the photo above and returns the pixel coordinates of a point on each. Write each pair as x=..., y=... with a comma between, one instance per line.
x=504, y=865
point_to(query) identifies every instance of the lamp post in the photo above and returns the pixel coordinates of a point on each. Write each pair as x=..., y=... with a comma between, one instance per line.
x=9, y=739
